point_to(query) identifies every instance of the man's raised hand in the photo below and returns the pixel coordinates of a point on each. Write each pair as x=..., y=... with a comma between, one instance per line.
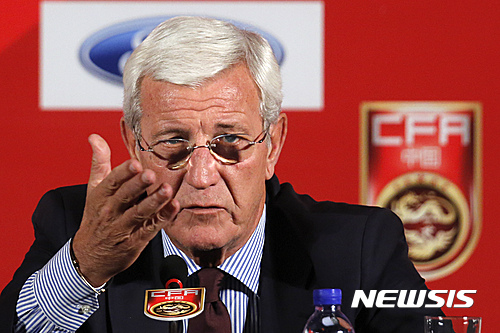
x=118, y=220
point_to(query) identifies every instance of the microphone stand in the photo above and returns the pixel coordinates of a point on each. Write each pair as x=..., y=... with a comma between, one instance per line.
x=175, y=327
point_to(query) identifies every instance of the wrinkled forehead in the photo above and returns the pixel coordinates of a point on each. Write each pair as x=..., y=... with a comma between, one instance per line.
x=232, y=86
x=231, y=95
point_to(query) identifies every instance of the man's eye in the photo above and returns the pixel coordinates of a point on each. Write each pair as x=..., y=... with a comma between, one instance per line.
x=230, y=138
x=173, y=141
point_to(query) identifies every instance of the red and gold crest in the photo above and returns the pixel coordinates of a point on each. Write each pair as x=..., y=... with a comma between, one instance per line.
x=423, y=161
x=174, y=304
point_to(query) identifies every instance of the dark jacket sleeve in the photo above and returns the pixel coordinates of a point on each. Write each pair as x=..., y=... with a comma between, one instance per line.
x=52, y=231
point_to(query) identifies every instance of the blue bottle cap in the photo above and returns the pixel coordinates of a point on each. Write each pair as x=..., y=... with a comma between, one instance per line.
x=327, y=296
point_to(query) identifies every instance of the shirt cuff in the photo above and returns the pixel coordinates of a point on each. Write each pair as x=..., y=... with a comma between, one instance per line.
x=57, y=295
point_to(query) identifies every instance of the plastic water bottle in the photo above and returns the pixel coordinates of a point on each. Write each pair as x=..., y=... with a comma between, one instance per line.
x=327, y=316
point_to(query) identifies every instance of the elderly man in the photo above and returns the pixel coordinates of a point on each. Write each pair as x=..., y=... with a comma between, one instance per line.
x=203, y=127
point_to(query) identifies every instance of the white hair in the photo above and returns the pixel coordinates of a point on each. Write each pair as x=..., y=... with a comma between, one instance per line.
x=190, y=50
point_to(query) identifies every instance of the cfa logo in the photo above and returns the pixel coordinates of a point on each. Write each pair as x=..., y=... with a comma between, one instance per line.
x=174, y=292
x=417, y=125
x=413, y=298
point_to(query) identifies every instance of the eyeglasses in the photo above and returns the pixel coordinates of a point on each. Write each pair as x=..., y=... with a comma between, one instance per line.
x=226, y=148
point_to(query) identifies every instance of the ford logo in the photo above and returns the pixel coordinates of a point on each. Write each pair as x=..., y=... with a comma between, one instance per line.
x=105, y=52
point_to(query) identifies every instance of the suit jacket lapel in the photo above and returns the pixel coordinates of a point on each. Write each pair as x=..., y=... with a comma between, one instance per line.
x=287, y=273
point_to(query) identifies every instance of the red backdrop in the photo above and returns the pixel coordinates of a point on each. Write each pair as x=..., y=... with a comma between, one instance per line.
x=374, y=50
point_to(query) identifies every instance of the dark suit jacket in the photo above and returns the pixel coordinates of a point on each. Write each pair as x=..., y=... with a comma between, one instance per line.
x=308, y=245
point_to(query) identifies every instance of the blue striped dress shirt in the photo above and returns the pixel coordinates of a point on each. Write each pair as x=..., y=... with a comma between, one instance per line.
x=56, y=299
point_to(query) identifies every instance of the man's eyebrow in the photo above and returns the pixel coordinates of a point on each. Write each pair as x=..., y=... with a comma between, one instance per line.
x=172, y=130
x=231, y=126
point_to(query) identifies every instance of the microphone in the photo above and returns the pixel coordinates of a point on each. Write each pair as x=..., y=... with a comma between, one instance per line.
x=173, y=272
x=173, y=275
x=175, y=302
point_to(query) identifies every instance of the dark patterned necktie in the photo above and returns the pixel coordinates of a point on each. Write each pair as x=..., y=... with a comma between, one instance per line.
x=214, y=318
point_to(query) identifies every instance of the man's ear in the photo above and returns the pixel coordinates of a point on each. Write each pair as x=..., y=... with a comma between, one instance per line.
x=129, y=139
x=278, y=135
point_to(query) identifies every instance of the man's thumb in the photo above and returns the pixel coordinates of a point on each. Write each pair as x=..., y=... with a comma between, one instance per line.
x=101, y=161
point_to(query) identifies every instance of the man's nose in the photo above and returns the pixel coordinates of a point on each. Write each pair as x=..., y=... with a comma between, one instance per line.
x=202, y=169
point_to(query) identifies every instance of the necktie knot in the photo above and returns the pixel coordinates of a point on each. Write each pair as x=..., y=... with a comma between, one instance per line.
x=211, y=279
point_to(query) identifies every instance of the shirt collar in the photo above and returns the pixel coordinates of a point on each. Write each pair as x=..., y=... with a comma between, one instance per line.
x=244, y=265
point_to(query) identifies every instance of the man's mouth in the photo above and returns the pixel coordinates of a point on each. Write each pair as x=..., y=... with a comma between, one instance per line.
x=203, y=209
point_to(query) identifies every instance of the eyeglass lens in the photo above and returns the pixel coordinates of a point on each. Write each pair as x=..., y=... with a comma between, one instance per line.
x=177, y=154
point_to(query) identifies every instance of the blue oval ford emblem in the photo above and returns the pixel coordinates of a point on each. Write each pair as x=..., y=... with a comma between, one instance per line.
x=105, y=52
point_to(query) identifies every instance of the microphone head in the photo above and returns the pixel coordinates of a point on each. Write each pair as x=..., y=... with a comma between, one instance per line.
x=173, y=272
